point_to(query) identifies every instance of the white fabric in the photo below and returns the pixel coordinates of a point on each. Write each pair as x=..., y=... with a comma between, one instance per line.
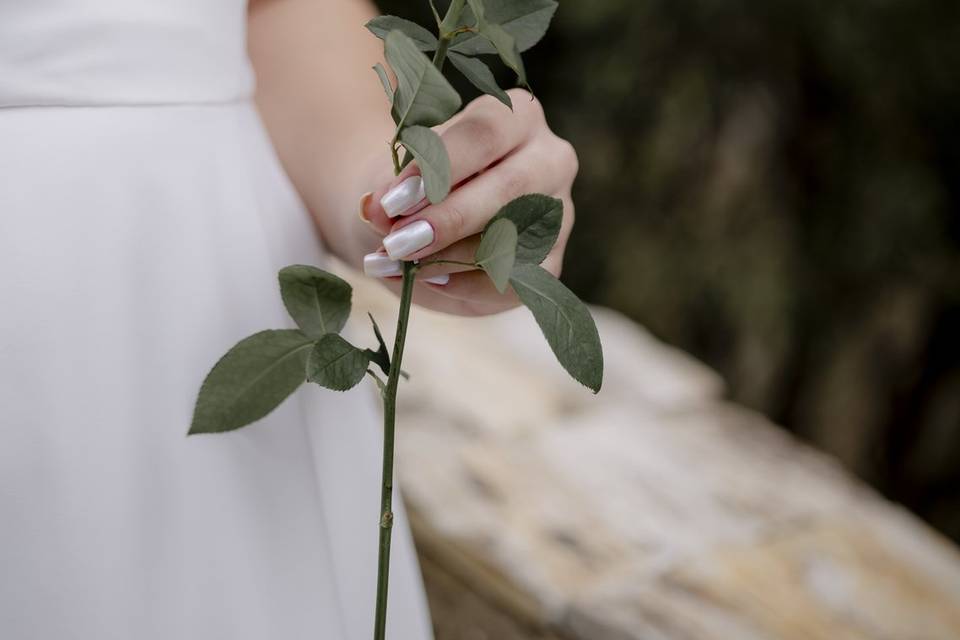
x=137, y=244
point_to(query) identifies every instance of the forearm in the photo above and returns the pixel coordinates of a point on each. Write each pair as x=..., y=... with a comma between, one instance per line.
x=323, y=108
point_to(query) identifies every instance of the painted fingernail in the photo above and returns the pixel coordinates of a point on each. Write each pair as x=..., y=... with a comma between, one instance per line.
x=441, y=280
x=364, y=201
x=377, y=265
x=403, y=196
x=408, y=240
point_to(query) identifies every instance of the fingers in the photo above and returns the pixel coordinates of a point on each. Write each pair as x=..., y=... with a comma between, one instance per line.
x=495, y=157
x=460, y=289
x=466, y=211
x=486, y=131
x=471, y=293
x=476, y=285
x=475, y=139
x=459, y=256
x=453, y=259
x=456, y=258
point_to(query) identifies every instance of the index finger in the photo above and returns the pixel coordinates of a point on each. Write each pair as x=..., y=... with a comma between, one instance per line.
x=475, y=139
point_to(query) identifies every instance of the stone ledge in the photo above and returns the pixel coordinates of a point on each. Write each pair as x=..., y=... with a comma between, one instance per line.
x=655, y=510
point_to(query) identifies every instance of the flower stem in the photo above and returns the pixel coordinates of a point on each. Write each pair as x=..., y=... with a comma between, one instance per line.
x=450, y=20
x=389, y=430
x=448, y=29
x=395, y=152
x=389, y=394
x=440, y=55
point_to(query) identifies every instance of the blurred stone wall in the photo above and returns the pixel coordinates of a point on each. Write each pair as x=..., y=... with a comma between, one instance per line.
x=773, y=185
x=655, y=510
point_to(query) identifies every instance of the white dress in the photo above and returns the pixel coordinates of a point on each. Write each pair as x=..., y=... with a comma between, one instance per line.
x=143, y=219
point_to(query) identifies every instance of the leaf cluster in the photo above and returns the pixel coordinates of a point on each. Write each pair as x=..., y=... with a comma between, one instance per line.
x=261, y=371
x=423, y=97
x=512, y=246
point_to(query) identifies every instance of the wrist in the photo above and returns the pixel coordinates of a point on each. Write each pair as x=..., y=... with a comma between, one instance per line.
x=335, y=201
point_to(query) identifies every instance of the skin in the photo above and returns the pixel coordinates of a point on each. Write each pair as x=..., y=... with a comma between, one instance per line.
x=327, y=117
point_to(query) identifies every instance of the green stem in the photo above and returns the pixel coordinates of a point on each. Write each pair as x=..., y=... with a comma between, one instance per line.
x=396, y=156
x=447, y=27
x=389, y=430
x=456, y=262
x=453, y=17
x=440, y=55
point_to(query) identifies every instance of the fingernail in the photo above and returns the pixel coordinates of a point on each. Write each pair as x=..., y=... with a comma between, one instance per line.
x=364, y=201
x=408, y=240
x=403, y=196
x=441, y=280
x=377, y=265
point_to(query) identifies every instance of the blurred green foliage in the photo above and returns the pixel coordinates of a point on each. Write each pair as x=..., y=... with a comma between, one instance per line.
x=774, y=185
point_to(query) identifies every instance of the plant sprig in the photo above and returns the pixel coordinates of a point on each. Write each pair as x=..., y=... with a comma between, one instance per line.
x=261, y=371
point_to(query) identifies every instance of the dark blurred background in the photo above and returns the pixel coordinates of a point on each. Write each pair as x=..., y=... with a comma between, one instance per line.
x=774, y=186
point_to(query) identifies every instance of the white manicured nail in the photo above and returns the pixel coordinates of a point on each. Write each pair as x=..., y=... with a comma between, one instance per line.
x=378, y=265
x=441, y=280
x=408, y=240
x=403, y=196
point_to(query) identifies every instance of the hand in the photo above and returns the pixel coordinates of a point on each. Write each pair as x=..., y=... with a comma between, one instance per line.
x=495, y=155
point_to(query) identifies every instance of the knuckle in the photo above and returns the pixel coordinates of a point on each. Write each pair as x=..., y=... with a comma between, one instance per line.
x=535, y=109
x=526, y=103
x=485, y=133
x=480, y=103
x=534, y=112
x=484, y=103
x=568, y=156
x=515, y=182
x=453, y=224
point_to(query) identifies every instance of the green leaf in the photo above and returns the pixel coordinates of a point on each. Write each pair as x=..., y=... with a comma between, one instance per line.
x=436, y=14
x=480, y=76
x=251, y=380
x=423, y=95
x=498, y=252
x=526, y=20
x=383, y=25
x=565, y=321
x=336, y=364
x=381, y=357
x=503, y=43
x=431, y=156
x=385, y=81
x=538, y=219
x=319, y=302
x=388, y=89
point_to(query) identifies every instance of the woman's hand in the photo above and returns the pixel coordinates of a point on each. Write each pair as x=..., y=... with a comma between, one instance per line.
x=330, y=137
x=495, y=155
